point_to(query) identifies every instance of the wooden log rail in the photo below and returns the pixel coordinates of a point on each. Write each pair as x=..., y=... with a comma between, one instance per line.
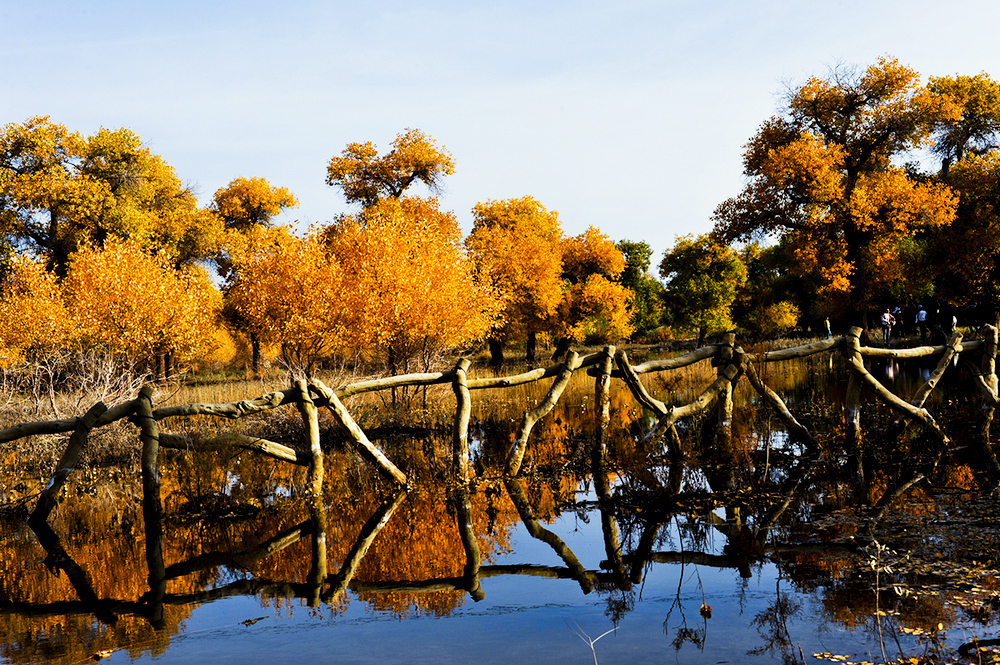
x=731, y=361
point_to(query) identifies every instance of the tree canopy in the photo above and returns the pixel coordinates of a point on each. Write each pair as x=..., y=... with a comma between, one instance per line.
x=824, y=178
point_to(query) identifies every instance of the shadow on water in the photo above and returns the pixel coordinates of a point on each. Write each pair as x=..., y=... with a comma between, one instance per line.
x=766, y=548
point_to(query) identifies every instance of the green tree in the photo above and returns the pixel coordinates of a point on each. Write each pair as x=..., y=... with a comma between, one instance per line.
x=701, y=279
x=647, y=291
x=823, y=178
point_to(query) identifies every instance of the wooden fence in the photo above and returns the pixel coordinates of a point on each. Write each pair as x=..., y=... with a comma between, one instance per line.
x=731, y=361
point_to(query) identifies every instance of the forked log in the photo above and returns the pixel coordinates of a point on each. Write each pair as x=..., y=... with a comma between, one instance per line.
x=516, y=454
x=795, y=428
x=636, y=387
x=894, y=402
x=232, y=409
x=364, y=446
x=924, y=391
x=50, y=495
x=339, y=581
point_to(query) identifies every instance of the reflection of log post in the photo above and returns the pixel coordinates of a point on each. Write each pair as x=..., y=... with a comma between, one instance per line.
x=852, y=406
x=463, y=410
x=602, y=403
x=371, y=528
x=516, y=454
x=473, y=555
x=609, y=527
x=152, y=509
x=309, y=415
x=317, y=570
x=723, y=449
x=50, y=495
x=364, y=446
x=527, y=515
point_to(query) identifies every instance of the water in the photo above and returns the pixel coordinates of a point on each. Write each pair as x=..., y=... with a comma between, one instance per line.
x=239, y=584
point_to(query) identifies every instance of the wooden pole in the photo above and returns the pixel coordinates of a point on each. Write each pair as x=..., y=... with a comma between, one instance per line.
x=795, y=428
x=363, y=445
x=152, y=508
x=311, y=418
x=852, y=407
x=602, y=403
x=463, y=411
x=50, y=495
x=516, y=454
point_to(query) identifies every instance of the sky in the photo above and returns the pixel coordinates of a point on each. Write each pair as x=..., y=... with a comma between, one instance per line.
x=628, y=116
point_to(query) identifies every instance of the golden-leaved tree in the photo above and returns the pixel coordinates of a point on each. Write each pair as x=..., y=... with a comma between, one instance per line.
x=824, y=178
x=33, y=317
x=407, y=281
x=139, y=306
x=286, y=292
x=365, y=177
x=59, y=191
x=516, y=245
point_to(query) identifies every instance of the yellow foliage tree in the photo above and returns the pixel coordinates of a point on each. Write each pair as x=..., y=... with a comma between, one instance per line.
x=822, y=177
x=407, y=281
x=516, y=245
x=59, y=191
x=138, y=305
x=285, y=291
x=366, y=178
x=248, y=202
x=33, y=317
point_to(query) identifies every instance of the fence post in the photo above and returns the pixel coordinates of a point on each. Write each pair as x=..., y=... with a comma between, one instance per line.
x=852, y=407
x=152, y=509
x=602, y=403
x=463, y=410
x=308, y=410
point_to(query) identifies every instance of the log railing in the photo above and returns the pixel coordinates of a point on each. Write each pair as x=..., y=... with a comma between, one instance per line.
x=731, y=361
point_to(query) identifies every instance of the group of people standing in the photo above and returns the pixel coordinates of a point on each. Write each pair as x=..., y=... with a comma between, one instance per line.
x=921, y=321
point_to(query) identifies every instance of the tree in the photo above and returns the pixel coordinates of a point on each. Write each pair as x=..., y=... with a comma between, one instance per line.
x=248, y=202
x=366, y=178
x=410, y=287
x=769, y=301
x=33, y=316
x=59, y=191
x=286, y=291
x=647, y=291
x=823, y=179
x=701, y=278
x=975, y=128
x=138, y=305
x=516, y=246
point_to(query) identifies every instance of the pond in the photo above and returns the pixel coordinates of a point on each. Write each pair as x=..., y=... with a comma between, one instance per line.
x=642, y=560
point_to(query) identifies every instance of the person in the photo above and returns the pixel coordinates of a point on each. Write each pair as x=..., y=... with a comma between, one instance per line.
x=922, y=323
x=828, y=333
x=887, y=320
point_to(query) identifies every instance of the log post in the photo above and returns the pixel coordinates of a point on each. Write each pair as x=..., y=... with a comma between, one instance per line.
x=516, y=454
x=463, y=410
x=311, y=418
x=50, y=495
x=602, y=403
x=989, y=366
x=152, y=508
x=363, y=445
x=852, y=406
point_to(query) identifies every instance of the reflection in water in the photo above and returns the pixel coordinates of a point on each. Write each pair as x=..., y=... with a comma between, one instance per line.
x=110, y=576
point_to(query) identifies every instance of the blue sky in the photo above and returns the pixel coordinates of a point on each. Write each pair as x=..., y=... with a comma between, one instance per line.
x=629, y=116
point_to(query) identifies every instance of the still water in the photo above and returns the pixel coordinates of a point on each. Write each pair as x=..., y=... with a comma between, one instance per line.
x=623, y=563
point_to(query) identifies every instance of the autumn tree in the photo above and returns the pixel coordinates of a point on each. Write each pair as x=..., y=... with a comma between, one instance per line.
x=285, y=292
x=974, y=130
x=594, y=305
x=824, y=178
x=365, y=177
x=411, y=288
x=769, y=301
x=701, y=278
x=59, y=191
x=248, y=202
x=138, y=305
x=33, y=316
x=516, y=245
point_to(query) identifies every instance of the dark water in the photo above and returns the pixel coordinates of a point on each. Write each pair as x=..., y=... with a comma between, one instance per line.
x=785, y=553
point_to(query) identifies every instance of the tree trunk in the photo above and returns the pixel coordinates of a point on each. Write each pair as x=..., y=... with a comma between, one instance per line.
x=561, y=348
x=702, y=334
x=496, y=352
x=255, y=353
x=530, y=346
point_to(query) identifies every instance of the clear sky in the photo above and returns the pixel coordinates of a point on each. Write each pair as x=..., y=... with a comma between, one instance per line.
x=627, y=115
